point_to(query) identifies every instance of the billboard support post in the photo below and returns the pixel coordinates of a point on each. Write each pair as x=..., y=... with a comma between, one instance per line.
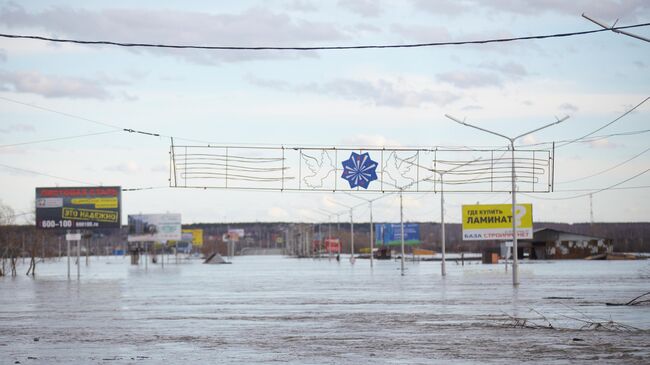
x=68, y=255
x=78, y=258
x=515, y=258
x=162, y=256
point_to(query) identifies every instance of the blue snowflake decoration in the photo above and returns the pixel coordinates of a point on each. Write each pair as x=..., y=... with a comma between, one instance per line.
x=359, y=170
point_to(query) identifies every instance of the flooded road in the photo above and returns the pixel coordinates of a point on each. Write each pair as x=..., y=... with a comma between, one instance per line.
x=266, y=309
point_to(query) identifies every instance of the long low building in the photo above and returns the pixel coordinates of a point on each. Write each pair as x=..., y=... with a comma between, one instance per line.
x=552, y=244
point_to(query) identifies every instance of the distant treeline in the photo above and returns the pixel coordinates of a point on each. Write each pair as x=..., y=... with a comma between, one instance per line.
x=627, y=237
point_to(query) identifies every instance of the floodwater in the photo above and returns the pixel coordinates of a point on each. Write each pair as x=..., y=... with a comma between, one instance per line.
x=272, y=309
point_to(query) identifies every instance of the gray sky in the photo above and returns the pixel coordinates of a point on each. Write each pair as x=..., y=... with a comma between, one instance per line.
x=356, y=98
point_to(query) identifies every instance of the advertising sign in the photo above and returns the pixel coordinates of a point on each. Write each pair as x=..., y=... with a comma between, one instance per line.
x=494, y=222
x=78, y=207
x=391, y=234
x=332, y=245
x=154, y=227
x=194, y=235
x=234, y=234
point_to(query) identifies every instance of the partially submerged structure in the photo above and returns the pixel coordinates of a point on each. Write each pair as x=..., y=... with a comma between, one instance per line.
x=215, y=258
x=553, y=244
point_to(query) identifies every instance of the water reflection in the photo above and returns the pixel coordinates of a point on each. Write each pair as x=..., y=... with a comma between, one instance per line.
x=263, y=309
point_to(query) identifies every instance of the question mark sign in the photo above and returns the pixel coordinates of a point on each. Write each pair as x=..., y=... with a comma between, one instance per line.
x=520, y=211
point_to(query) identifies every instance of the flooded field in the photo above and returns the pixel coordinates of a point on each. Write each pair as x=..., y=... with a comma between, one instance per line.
x=271, y=309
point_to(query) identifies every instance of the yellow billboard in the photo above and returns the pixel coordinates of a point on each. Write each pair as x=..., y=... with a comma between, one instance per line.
x=494, y=222
x=197, y=236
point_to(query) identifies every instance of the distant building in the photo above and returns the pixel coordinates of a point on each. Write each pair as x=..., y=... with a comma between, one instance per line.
x=553, y=244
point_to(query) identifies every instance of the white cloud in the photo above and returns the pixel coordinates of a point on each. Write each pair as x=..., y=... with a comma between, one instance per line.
x=603, y=143
x=607, y=10
x=51, y=86
x=470, y=79
x=445, y=7
x=125, y=167
x=18, y=127
x=253, y=27
x=373, y=140
x=420, y=33
x=267, y=83
x=568, y=107
x=382, y=92
x=277, y=213
x=366, y=8
x=511, y=70
x=396, y=93
x=301, y=5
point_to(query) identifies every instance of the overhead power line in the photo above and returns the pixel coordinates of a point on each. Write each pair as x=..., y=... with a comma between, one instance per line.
x=606, y=170
x=590, y=139
x=48, y=175
x=593, y=192
x=317, y=48
x=606, y=125
x=57, y=139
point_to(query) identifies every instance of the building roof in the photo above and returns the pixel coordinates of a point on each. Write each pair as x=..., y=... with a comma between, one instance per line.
x=545, y=234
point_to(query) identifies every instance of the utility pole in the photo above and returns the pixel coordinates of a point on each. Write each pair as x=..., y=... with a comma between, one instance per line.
x=372, y=227
x=401, y=224
x=515, y=261
x=351, y=229
x=591, y=208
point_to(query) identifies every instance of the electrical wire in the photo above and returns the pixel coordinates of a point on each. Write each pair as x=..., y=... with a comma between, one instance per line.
x=591, y=193
x=48, y=175
x=57, y=139
x=617, y=188
x=77, y=181
x=606, y=170
x=592, y=139
x=318, y=48
x=604, y=126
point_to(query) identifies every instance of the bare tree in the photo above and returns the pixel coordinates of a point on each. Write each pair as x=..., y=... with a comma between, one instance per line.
x=7, y=218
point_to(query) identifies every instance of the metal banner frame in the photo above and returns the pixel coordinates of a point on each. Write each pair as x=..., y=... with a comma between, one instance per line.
x=320, y=169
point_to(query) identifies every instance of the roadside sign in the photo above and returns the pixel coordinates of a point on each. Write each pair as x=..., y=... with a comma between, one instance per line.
x=78, y=207
x=494, y=222
x=73, y=236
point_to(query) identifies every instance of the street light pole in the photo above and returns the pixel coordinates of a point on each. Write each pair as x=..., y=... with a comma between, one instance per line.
x=372, y=227
x=515, y=261
x=401, y=224
x=351, y=229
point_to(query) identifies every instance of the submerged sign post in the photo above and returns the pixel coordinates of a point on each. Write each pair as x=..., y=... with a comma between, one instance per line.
x=494, y=222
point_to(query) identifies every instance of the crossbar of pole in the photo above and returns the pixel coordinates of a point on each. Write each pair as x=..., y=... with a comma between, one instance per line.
x=615, y=30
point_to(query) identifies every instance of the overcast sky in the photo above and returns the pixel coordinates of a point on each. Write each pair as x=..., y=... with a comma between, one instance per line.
x=357, y=98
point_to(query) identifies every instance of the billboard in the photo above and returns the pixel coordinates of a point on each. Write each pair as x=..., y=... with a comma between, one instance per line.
x=234, y=234
x=494, y=222
x=391, y=234
x=332, y=245
x=154, y=227
x=78, y=207
x=194, y=235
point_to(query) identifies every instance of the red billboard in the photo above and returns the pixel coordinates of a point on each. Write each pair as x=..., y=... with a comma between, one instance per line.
x=333, y=245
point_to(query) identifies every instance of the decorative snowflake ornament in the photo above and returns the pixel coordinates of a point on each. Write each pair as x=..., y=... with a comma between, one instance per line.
x=359, y=170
